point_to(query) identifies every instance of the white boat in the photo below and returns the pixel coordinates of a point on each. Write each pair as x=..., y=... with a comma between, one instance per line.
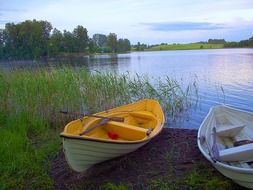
x=225, y=138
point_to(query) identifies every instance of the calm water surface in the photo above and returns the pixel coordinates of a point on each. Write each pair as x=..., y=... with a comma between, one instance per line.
x=223, y=75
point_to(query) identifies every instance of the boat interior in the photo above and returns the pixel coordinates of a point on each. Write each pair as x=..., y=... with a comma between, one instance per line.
x=235, y=140
x=136, y=125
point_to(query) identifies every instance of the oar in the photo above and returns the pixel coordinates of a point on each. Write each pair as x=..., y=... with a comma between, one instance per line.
x=215, y=150
x=118, y=119
x=103, y=121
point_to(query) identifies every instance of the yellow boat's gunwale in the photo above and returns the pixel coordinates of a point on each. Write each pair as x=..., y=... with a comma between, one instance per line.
x=159, y=127
x=84, y=138
x=108, y=141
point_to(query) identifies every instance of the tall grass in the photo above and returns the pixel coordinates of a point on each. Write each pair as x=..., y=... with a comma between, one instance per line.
x=30, y=121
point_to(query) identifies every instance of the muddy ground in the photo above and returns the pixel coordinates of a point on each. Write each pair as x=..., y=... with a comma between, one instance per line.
x=171, y=155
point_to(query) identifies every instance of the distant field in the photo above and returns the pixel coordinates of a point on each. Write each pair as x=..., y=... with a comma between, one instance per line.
x=185, y=46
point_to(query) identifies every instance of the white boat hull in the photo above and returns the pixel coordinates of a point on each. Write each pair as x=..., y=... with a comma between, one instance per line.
x=82, y=154
x=240, y=177
x=240, y=172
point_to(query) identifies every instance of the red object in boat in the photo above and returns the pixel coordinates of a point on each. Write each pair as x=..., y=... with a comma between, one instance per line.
x=113, y=136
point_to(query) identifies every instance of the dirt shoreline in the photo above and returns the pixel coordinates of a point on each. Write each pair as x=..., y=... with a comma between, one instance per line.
x=172, y=154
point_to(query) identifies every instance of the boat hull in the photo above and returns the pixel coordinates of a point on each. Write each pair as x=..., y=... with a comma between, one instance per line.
x=240, y=177
x=235, y=171
x=83, y=154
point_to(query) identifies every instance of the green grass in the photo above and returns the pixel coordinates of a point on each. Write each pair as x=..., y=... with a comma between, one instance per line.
x=190, y=46
x=202, y=178
x=111, y=186
x=30, y=122
x=162, y=184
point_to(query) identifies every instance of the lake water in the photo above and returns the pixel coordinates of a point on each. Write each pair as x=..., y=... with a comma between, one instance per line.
x=223, y=75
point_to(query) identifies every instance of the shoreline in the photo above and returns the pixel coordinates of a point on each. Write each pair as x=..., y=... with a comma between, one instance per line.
x=80, y=56
x=172, y=156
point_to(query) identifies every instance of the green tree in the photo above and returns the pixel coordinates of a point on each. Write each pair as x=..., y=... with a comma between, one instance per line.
x=68, y=41
x=56, y=44
x=37, y=33
x=112, y=42
x=138, y=46
x=31, y=39
x=27, y=40
x=216, y=41
x=123, y=45
x=1, y=43
x=11, y=40
x=81, y=40
x=251, y=42
x=92, y=46
x=242, y=43
x=99, y=39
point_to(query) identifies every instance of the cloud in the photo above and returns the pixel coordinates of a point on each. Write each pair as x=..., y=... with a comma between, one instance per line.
x=183, y=26
x=11, y=10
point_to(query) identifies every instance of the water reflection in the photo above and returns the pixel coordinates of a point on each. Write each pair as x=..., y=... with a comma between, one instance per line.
x=231, y=70
x=109, y=63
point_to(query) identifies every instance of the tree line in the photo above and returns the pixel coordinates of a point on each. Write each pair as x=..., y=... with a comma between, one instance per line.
x=34, y=39
x=242, y=43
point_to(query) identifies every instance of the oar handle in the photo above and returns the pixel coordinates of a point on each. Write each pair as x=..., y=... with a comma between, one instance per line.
x=64, y=112
x=70, y=113
x=213, y=156
x=214, y=148
x=118, y=119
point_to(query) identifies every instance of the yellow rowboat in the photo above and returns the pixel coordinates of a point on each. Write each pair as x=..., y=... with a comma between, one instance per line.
x=121, y=130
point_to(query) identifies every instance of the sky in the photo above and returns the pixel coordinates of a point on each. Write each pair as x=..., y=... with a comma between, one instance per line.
x=145, y=21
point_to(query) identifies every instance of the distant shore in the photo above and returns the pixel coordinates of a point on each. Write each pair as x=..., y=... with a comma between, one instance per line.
x=164, y=47
x=190, y=46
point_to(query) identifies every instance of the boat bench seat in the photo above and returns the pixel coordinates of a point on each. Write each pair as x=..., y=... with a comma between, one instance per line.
x=229, y=131
x=143, y=114
x=243, y=153
x=127, y=131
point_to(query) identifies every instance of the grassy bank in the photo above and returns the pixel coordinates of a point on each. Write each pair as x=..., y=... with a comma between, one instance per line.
x=30, y=121
x=190, y=46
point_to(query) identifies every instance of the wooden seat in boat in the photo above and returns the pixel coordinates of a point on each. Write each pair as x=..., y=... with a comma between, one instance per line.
x=143, y=114
x=229, y=131
x=127, y=131
x=243, y=153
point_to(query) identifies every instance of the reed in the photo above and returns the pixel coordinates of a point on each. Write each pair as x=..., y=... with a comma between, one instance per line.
x=30, y=121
